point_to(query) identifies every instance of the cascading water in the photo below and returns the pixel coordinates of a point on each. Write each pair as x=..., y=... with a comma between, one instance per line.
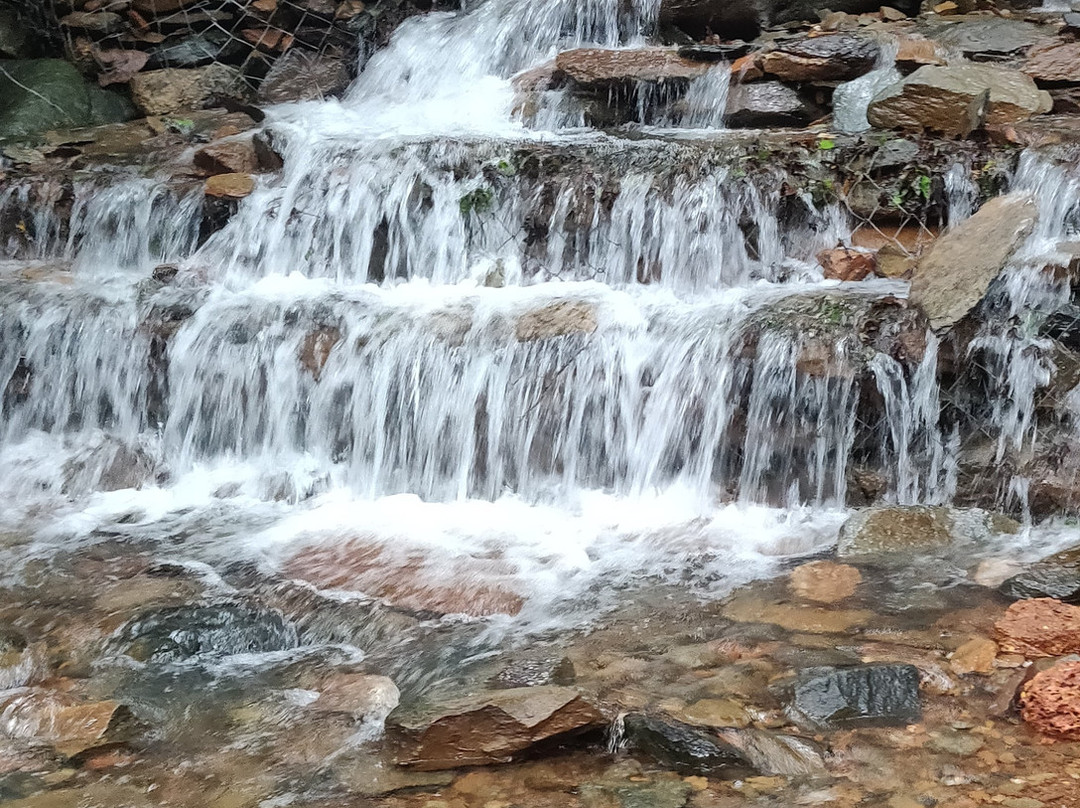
x=426, y=318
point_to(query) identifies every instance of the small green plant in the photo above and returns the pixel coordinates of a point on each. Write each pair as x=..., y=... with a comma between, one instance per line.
x=924, y=187
x=506, y=168
x=479, y=200
x=826, y=144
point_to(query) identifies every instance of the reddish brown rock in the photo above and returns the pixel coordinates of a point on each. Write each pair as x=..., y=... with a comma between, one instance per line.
x=914, y=52
x=360, y=695
x=271, y=39
x=493, y=727
x=747, y=68
x=599, y=67
x=1041, y=627
x=833, y=57
x=824, y=581
x=317, y=347
x=230, y=186
x=1050, y=702
x=1060, y=63
x=228, y=157
x=846, y=264
x=119, y=65
x=409, y=580
x=63, y=721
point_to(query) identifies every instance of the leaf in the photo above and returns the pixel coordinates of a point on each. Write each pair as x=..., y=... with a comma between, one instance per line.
x=825, y=144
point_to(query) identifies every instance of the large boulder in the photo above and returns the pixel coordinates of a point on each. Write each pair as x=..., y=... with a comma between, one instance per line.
x=957, y=99
x=955, y=273
x=490, y=728
x=833, y=57
x=41, y=94
x=161, y=92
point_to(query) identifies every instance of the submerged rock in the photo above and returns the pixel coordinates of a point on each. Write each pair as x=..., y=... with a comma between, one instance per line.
x=777, y=754
x=824, y=581
x=71, y=726
x=957, y=99
x=491, y=727
x=191, y=632
x=557, y=320
x=867, y=695
x=1042, y=627
x=956, y=272
x=535, y=672
x=833, y=57
x=1056, y=576
x=897, y=529
x=977, y=655
x=681, y=747
x=1050, y=702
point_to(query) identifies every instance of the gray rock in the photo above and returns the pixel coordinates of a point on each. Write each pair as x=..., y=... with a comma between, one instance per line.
x=41, y=94
x=683, y=748
x=195, y=51
x=832, y=57
x=956, y=272
x=765, y=104
x=866, y=695
x=14, y=36
x=1056, y=576
x=957, y=99
x=305, y=76
x=988, y=35
x=161, y=92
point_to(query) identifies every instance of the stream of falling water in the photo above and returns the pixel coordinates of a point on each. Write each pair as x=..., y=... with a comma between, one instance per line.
x=415, y=337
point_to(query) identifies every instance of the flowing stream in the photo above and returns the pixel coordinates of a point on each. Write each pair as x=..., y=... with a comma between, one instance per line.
x=564, y=377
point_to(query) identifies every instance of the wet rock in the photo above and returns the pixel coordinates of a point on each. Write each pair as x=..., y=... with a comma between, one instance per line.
x=182, y=633
x=977, y=655
x=41, y=94
x=955, y=273
x=915, y=52
x=234, y=156
x=316, y=348
x=846, y=264
x=776, y=754
x=833, y=57
x=715, y=713
x=988, y=36
x=306, y=76
x=63, y=721
x=1060, y=63
x=362, y=696
x=764, y=104
x=557, y=320
x=824, y=581
x=681, y=747
x=171, y=89
x=469, y=586
x=600, y=68
x=895, y=529
x=1041, y=627
x=867, y=695
x=957, y=99
x=955, y=742
x=534, y=672
x=1050, y=701
x=229, y=186
x=491, y=728
x=796, y=617
x=1056, y=576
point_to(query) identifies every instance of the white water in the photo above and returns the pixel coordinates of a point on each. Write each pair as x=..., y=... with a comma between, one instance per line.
x=687, y=429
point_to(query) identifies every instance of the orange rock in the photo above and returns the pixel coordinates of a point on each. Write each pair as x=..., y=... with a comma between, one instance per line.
x=844, y=264
x=1050, y=702
x=914, y=52
x=1041, y=627
x=273, y=39
x=747, y=68
x=977, y=655
x=227, y=157
x=230, y=186
x=824, y=581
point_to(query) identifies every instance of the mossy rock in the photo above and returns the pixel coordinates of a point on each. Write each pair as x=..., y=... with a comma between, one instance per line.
x=41, y=94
